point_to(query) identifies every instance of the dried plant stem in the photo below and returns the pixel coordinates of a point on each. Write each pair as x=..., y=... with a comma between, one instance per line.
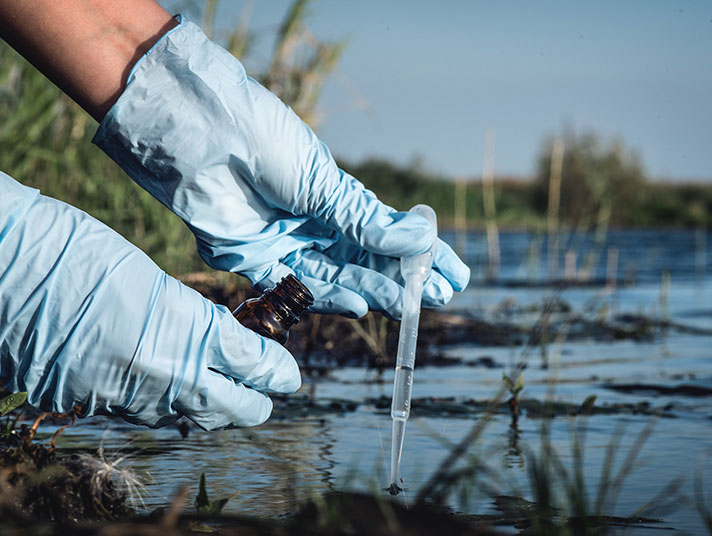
x=61, y=429
x=461, y=217
x=557, y=159
x=489, y=205
x=36, y=424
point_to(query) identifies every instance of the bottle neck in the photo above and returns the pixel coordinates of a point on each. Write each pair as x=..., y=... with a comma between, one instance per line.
x=289, y=299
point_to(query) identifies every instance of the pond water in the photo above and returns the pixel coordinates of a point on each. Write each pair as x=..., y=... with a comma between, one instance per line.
x=658, y=274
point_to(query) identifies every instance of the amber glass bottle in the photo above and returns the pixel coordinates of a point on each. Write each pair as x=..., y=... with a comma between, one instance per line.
x=278, y=309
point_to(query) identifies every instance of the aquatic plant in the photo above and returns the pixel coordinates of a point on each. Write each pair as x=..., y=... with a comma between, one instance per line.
x=463, y=465
x=8, y=404
x=374, y=335
x=600, y=180
x=12, y=402
x=204, y=505
x=562, y=504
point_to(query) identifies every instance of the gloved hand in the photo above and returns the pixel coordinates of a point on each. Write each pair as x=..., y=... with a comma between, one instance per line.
x=86, y=318
x=261, y=193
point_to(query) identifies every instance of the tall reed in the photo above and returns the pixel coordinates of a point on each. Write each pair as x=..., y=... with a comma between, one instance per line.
x=557, y=158
x=461, y=218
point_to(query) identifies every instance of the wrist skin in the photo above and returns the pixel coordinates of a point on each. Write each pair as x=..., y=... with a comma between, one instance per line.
x=86, y=47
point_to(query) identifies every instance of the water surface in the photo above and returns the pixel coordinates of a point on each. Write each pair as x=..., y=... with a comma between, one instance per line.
x=658, y=274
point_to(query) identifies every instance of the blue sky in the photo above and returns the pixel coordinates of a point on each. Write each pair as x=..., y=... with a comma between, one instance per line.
x=426, y=79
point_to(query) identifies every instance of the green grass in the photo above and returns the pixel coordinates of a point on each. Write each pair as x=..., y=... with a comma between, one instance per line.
x=46, y=139
x=518, y=201
x=46, y=142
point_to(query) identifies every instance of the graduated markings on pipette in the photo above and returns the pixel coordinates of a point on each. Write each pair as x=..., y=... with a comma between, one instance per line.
x=401, y=402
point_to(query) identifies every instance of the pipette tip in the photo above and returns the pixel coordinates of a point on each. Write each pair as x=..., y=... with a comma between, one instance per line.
x=394, y=489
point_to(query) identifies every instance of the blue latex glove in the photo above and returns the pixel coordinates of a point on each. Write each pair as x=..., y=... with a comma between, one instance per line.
x=261, y=193
x=86, y=318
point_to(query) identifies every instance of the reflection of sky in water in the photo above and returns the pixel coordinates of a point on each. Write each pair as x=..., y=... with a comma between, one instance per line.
x=279, y=462
x=640, y=256
x=687, y=302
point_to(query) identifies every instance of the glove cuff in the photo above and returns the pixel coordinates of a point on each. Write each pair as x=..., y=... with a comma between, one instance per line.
x=180, y=20
x=185, y=130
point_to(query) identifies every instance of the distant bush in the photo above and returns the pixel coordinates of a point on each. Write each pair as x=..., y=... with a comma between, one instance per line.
x=597, y=179
x=670, y=204
x=404, y=186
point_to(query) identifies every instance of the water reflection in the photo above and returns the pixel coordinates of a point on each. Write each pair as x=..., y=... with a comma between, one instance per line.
x=513, y=456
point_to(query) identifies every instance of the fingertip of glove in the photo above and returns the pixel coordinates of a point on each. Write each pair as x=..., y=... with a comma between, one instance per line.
x=252, y=413
x=397, y=234
x=460, y=278
x=262, y=414
x=287, y=377
x=226, y=404
x=331, y=298
x=437, y=291
x=451, y=267
x=417, y=233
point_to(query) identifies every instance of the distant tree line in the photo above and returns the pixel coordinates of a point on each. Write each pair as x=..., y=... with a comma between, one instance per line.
x=600, y=183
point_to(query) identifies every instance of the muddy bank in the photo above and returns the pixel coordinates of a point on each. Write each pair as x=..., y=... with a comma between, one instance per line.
x=670, y=390
x=321, y=342
x=304, y=406
x=38, y=483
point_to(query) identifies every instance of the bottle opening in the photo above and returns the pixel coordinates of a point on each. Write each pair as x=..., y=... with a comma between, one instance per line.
x=296, y=291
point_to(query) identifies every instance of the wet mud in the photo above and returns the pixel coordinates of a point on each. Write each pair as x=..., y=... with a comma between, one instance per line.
x=303, y=406
x=322, y=342
x=37, y=483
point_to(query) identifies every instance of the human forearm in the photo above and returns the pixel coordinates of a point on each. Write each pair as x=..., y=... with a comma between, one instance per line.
x=86, y=47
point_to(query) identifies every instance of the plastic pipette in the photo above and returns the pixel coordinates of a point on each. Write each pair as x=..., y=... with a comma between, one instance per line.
x=415, y=270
